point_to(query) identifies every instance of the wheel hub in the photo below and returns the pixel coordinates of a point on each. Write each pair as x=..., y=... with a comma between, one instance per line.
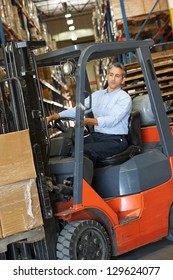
x=90, y=245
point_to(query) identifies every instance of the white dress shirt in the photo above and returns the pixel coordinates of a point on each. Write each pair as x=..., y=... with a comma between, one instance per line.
x=112, y=110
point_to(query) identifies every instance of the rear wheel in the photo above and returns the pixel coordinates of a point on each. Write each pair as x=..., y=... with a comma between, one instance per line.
x=83, y=240
x=170, y=234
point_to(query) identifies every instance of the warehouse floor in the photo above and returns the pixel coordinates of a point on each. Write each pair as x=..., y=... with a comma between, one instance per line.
x=160, y=250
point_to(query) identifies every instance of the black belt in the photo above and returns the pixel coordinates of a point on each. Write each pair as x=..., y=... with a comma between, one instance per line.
x=117, y=136
x=121, y=136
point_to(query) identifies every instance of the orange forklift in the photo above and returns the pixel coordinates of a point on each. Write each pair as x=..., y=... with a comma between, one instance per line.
x=127, y=200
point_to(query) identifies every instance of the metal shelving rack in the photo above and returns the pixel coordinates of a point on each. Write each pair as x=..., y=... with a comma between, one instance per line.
x=7, y=34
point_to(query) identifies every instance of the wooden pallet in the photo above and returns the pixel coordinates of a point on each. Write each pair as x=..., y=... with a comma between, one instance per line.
x=30, y=236
x=135, y=84
x=164, y=72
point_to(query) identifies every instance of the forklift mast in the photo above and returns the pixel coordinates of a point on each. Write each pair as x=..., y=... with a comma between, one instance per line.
x=26, y=111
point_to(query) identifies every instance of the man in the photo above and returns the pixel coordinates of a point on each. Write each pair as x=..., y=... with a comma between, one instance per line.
x=111, y=108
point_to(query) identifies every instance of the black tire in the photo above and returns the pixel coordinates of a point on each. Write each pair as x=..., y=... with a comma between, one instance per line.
x=83, y=240
x=170, y=232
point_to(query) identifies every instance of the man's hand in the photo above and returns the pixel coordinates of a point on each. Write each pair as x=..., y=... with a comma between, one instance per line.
x=90, y=121
x=52, y=117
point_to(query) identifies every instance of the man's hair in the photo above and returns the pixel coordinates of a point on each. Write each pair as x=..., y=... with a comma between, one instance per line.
x=118, y=65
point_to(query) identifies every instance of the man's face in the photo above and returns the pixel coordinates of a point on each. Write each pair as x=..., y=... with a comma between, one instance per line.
x=115, y=78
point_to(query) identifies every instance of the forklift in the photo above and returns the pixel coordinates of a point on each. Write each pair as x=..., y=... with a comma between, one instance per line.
x=123, y=203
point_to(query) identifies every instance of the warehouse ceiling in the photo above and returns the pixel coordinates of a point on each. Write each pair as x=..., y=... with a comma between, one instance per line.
x=53, y=8
x=54, y=14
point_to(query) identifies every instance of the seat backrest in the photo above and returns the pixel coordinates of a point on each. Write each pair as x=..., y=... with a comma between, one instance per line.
x=135, y=143
x=134, y=134
x=141, y=103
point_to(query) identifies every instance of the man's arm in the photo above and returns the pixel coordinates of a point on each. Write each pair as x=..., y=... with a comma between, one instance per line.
x=90, y=121
x=52, y=117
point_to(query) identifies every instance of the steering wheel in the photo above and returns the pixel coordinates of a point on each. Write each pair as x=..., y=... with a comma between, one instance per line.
x=61, y=124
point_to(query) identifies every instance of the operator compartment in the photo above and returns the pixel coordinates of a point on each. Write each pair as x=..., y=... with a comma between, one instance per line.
x=144, y=170
x=142, y=166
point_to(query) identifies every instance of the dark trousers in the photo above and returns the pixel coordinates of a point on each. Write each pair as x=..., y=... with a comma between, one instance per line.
x=99, y=146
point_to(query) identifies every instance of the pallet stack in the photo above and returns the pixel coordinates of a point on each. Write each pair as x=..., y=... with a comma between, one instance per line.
x=135, y=84
x=136, y=14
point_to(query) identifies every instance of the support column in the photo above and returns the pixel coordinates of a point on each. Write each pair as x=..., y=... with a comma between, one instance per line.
x=170, y=4
x=2, y=37
x=126, y=29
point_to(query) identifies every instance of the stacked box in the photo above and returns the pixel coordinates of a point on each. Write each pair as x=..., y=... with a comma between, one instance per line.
x=47, y=93
x=2, y=73
x=19, y=201
x=136, y=8
x=32, y=12
x=19, y=208
x=6, y=14
x=11, y=20
x=19, y=32
x=162, y=5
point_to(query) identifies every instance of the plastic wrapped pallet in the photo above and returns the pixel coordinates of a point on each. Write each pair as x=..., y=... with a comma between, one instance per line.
x=19, y=208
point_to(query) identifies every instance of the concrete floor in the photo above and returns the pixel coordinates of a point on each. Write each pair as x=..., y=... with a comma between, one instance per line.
x=160, y=250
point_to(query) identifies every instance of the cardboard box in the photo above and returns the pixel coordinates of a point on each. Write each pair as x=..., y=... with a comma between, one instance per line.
x=132, y=8
x=16, y=159
x=161, y=5
x=19, y=208
x=135, y=8
x=19, y=201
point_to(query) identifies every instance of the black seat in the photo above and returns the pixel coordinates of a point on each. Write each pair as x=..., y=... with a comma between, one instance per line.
x=134, y=140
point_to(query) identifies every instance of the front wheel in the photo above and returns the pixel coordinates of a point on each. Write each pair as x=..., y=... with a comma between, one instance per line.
x=83, y=240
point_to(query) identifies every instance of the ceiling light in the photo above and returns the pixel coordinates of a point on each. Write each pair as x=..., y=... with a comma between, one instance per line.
x=73, y=37
x=70, y=21
x=67, y=15
x=72, y=27
x=80, y=33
